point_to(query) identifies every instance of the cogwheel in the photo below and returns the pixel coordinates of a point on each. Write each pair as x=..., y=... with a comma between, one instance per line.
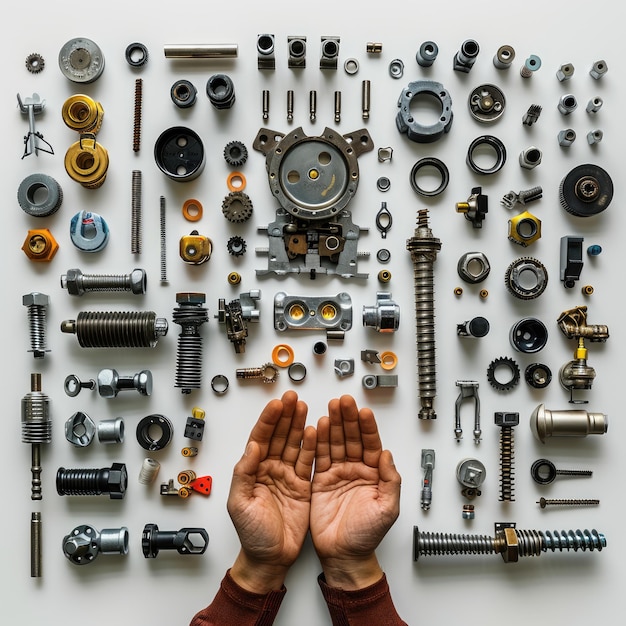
x=237, y=207
x=526, y=278
x=35, y=63
x=235, y=153
x=236, y=245
x=586, y=190
x=501, y=363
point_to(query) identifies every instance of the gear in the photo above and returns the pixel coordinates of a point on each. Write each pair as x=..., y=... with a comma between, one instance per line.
x=502, y=362
x=35, y=63
x=237, y=207
x=236, y=246
x=235, y=153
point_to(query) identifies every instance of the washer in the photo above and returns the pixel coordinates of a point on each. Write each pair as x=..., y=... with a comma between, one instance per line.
x=154, y=422
x=136, y=54
x=219, y=384
x=496, y=145
x=297, y=372
x=39, y=195
x=438, y=165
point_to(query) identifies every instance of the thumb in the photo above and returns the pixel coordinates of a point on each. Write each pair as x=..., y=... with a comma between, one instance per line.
x=244, y=472
x=390, y=479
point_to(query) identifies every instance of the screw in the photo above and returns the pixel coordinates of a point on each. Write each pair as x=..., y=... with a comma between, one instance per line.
x=365, y=98
x=163, y=239
x=137, y=115
x=135, y=223
x=290, y=105
x=78, y=283
x=110, y=383
x=506, y=421
x=266, y=104
x=337, y=106
x=544, y=472
x=312, y=105
x=544, y=502
x=268, y=373
x=37, y=304
x=73, y=385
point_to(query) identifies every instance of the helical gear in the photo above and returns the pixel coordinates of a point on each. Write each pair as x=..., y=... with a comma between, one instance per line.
x=237, y=207
x=35, y=63
x=514, y=370
x=235, y=153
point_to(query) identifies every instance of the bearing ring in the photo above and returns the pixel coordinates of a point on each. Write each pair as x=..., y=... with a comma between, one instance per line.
x=528, y=335
x=526, y=265
x=143, y=432
x=219, y=384
x=538, y=375
x=183, y=94
x=496, y=145
x=136, y=54
x=297, y=372
x=433, y=162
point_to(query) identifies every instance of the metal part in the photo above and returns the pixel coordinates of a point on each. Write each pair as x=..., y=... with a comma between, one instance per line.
x=137, y=114
x=566, y=137
x=73, y=385
x=525, y=196
x=546, y=423
x=373, y=47
x=528, y=335
x=329, y=52
x=93, y=482
x=235, y=153
x=507, y=541
x=82, y=113
x=598, y=69
x=89, y=231
x=538, y=375
x=265, y=52
x=530, y=158
x=37, y=307
x=219, y=384
x=503, y=57
x=565, y=72
x=40, y=245
x=179, y=153
x=296, y=49
x=475, y=328
x=499, y=152
x=186, y=541
x=35, y=63
x=136, y=216
x=429, y=164
x=195, y=248
x=385, y=154
x=471, y=474
x=337, y=99
x=236, y=245
x=526, y=278
x=267, y=373
x=384, y=381
x=296, y=372
x=194, y=427
x=524, y=229
x=154, y=432
x=573, y=324
x=221, y=91
x=189, y=451
x=78, y=284
x=87, y=162
x=594, y=136
x=475, y=208
x=149, y=470
x=330, y=313
x=235, y=316
x=506, y=422
x=465, y=58
x=116, y=329
x=384, y=220
x=486, y=103
x=36, y=429
x=468, y=511
x=39, y=195
x=531, y=115
x=383, y=184
x=351, y=66
x=290, y=97
x=81, y=60
x=423, y=248
x=265, y=104
x=344, y=367
x=312, y=105
x=237, y=207
x=428, y=465
x=234, y=278
x=35, y=544
x=473, y=267
x=384, y=316
x=201, y=51
x=110, y=383
x=499, y=364
x=366, y=98
x=83, y=543
x=33, y=140
x=396, y=68
x=544, y=502
x=414, y=130
x=136, y=54
x=111, y=431
x=545, y=472
x=586, y=190
x=162, y=239
x=383, y=255
x=384, y=276
x=183, y=94
x=427, y=54
x=571, y=260
x=80, y=429
x=468, y=389
x=594, y=105
x=531, y=65
x=567, y=103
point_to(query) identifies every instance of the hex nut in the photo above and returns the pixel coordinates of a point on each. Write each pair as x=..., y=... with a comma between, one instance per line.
x=599, y=69
x=473, y=267
x=530, y=158
x=524, y=229
x=80, y=429
x=117, y=481
x=567, y=103
x=565, y=72
x=594, y=136
x=40, y=245
x=107, y=383
x=594, y=105
x=567, y=137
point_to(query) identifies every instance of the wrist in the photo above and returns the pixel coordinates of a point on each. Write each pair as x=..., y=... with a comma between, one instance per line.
x=257, y=576
x=351, y=573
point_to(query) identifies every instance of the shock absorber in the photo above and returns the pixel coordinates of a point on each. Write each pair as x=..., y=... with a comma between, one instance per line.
x=423, y=248
x=36, y=429
x=507, y=541
x=190, y=315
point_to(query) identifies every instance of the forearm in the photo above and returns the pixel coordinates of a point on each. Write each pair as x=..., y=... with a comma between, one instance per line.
x=353, y=573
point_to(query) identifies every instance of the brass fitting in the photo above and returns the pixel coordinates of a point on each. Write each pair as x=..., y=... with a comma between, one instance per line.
x=524, y=229
x=195, y=248
x=82, y=114
x=40, y=245
x=87, y=162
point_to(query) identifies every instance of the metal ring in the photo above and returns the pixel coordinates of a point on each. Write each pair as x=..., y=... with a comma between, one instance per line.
x=144, y=438
x=440, y=166
x=219, y=384
x=498, y=147
x=383, y=184
x=183, y=94
x=39, y=195
x=136, y=54
x=383, y=255
x=279, y=351
x=81, y=60
x=524, y=266
x=351, y=66
x=192, y=210
x=538, y=375
x=297, y=372
x=111, y=431
x=543, y=471
x=233, y=176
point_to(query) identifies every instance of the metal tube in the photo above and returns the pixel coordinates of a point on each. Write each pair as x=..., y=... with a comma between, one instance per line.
x=201, y=51
x=35, y=545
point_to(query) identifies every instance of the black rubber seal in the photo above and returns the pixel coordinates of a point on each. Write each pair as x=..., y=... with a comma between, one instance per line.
x=440, y=166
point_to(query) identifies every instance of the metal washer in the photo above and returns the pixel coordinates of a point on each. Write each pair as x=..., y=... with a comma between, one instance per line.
x=81, y=60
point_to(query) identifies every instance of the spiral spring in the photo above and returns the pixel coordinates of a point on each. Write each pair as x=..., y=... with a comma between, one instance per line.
x=190, y=314
x=506, y=421
x=137, y=117
x=136, y=216
x=162, y=236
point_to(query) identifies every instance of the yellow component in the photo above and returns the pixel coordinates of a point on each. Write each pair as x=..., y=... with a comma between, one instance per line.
x=40, y=245
x=483, y=293
x=296, y=312
x=184, y=492
x=384, y=276
x=388, y=360
x=187, y=451
x=458, y=291
x=234, y=278
x=524, y=229
x=328, y=312
x=587, y=290
x=87, y=162
x=186, y=476
x=282, y=355
x=198, y=413
x=236, y=181
x=195, y=248
x=581, y=350
x=82, y=113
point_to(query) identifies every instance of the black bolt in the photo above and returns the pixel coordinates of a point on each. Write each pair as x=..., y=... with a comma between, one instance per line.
x=93, y=482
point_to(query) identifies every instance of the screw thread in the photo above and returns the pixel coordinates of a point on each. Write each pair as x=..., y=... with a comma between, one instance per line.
x=137, y=116
x=136, y=214
x=544, y=502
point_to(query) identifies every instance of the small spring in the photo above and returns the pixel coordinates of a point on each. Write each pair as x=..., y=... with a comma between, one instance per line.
x=137, y=117
x=135, y=220
x=507, y=450
x=36, y=422
x=188, y=363
x=149, y=470
x=163, y=239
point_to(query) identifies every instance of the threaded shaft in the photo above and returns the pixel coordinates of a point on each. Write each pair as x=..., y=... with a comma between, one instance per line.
x=190, y=316
x=37, y=322
x=507, y=448
x=136, y=214
x=439, y=544
x=562, y=472
x=544, y=502
x=79, y=482
x=35, y=545
x=138, y=114
x=162, y=236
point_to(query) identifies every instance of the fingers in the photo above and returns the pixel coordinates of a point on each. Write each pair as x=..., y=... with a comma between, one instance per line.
x=306, y=456
x=351, y=429
x=263, y=431
x=372, y=445
x=322, y=449
x=289, y=431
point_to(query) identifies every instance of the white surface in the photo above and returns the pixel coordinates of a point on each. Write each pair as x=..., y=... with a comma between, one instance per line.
x=573, y=588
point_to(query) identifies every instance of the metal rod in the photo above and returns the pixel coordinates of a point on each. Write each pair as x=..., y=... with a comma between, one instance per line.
x=201, y=51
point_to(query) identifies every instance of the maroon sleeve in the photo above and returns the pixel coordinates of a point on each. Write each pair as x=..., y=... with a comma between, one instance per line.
x=234, y=605
x=370, y=605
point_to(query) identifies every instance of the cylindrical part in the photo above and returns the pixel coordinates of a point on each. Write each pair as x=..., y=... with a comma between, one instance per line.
x=111, y=431
x=337, y=106
x=427, y=54
x=545, y=423
x=35, y=545
x=312, y=104
x=265, y=103
x=504, y=57
x=366, y=98
x=114, y=540
x=528, y=335
x=201, y=51
x=137, y=115
x=149, y=470
x=93, y=482
x=476, y=327
x=290, y=105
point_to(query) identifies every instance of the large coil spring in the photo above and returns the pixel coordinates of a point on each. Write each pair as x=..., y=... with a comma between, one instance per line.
x=36, y=422
x=507, y=449
x=190, y=315
x=438, y=544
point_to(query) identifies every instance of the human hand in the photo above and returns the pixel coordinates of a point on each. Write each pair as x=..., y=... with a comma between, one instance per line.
x=356, y=495
x=270, y=494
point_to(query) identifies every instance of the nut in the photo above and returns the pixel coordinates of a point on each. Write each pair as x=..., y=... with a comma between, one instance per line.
x=473, y=267
x=594, y=105
x=80, y=429
x=107, y=383
x=594, y=136
x=35, y=299
x=40, y=245
x=599, y=69
x=524, y=228
x=530, y=158
x=565, y=72
x=117, y=481
x=567, y=137
x=567, y=103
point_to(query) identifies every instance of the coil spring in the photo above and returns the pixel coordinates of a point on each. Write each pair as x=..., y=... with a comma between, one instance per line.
x=137, y=117
x=429, y=544
x=118, y=329
x=37, y=316
x=163, y=239
x=36, y=422
x=135, y=221
x=507, y=448
x=189, y=349
x=532, y=542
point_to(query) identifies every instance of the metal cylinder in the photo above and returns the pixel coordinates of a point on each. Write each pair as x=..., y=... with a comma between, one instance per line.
x=35, y=545
x=111, y=431
x=201, y=51
x=545, y=423
x=190, y=315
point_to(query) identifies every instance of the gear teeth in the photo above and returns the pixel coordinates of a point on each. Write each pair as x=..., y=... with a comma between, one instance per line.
x=236, y=246
x=35, y=63
x=235, y=153
x=237, y=207
x=514, y=370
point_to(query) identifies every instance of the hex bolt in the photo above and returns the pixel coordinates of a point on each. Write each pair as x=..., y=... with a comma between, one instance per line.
x=78, y=284
x=153, y=540
x=93, y=482
x=567, y=103
x=598, y=69
x=594, y=105
x=544, y=502
x=565, y=72
x=110, y=383
x=567, y=137
x=37, y=305
x=545, y=472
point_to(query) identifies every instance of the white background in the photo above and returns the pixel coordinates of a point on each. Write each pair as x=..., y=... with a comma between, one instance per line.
x=573, y=588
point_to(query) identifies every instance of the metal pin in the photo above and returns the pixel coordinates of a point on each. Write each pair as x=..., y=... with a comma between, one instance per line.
x=290, y=105
x=365, y=98
x=266, y=104
x=337, y=106
x=312, y=104
x=35, y=545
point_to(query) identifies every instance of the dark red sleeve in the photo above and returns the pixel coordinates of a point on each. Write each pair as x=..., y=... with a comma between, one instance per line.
x=371, y=605
x=234, y=605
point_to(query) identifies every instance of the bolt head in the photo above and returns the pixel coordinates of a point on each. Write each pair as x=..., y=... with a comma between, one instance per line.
x=107, y=383
x=117, y=481
x=138, y=281
x=35, y=299
x=71, y=281
x=143, y=382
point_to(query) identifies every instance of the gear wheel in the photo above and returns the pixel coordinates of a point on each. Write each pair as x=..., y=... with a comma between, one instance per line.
x=586, y=190
x=237, y=207
x=526, y=278
x=235, y=153
x=236, y=246
x=35, y=63
x=502, y=362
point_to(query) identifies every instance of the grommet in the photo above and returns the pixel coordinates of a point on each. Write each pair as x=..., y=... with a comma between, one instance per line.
x=587, y=290
x=483, y=293
x=219, y=384
x=383, y=255
x=282, y=355
x=183, y=94
x=351, y=66
x=383, y=184
x=384, y=276
x=458, y=291
x=297, y=372
x=236, y=181
x=538, y=375
x=498, y=148
x=192, y=210
x=221, y=91
x=151, y=424
x=396, y=68
x=388, y=360
x=319, y=348
x=136, y=54
x=234, y=278
x=39, y=195
x=430, y=163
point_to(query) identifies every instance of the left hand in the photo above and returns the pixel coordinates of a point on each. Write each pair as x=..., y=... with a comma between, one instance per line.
x=270, y=494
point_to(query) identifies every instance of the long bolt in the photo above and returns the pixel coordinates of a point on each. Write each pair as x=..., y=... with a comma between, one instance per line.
x=135, y=213
x=290, y=105
x=267, y=373
x=365, y=99
x=78, y=283
x=544, y=502
x=312, y=105
x=37, y=305
x=423, y=248
x=266, y=104
x=35, y=545
x=337, y=106
x=137, y=115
